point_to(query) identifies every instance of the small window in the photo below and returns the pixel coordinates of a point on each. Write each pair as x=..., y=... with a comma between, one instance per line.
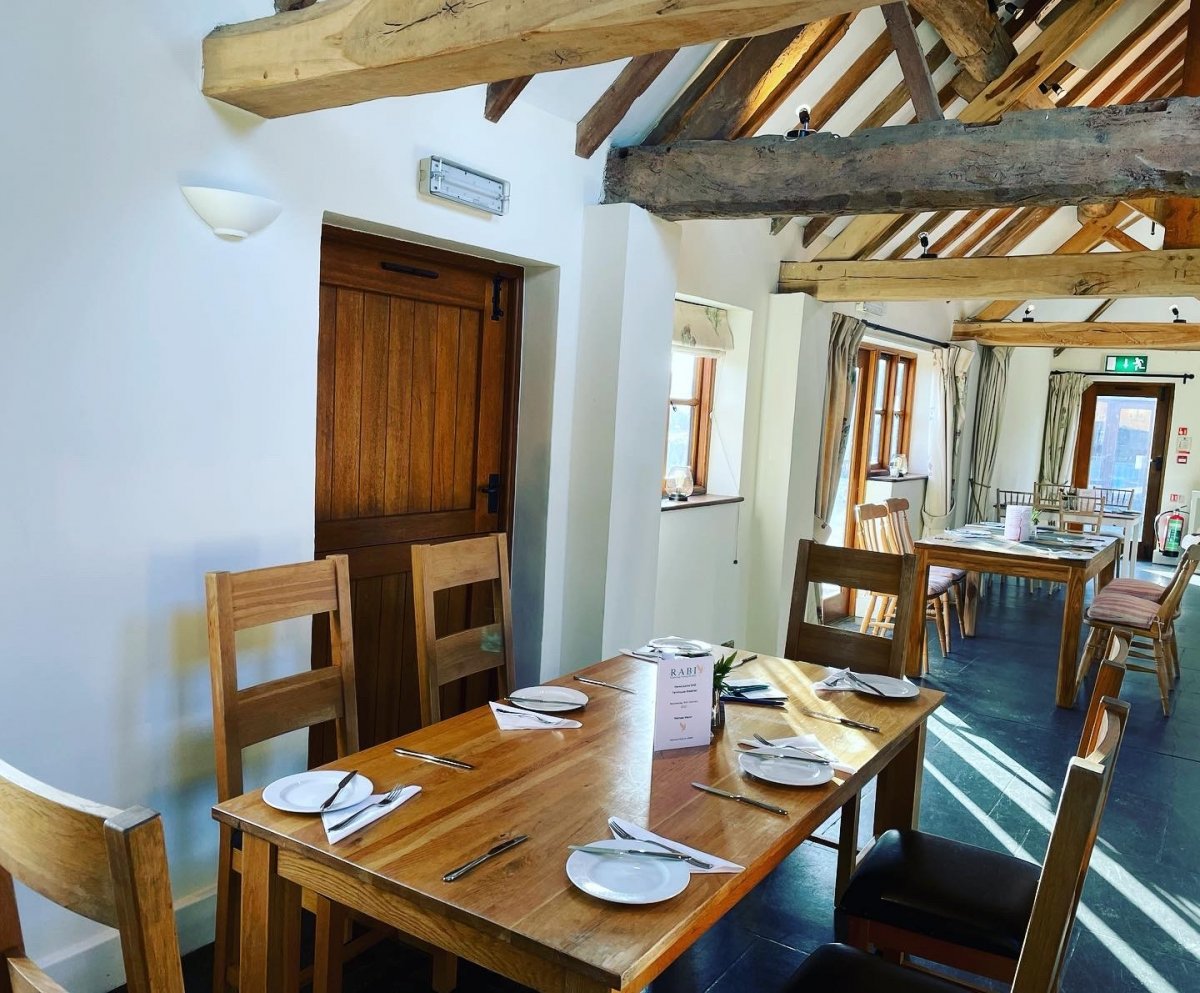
x=689, y=409
x=889, y=384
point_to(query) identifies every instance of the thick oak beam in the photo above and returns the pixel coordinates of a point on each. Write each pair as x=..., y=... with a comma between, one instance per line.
x=912, y=62
x=1045, y=159
x=343, y=52
x=502, y=95
x=607, y=112
x=1042, y=277
x=972, y=33
x=1080, y=334
x=1183, y=216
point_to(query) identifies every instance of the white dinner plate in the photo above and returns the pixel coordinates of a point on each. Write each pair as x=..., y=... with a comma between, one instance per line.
x=626, y=879
x=304, y=792
x=549, y=699
x=784, y=772
x=889, y=686
x=680, y=646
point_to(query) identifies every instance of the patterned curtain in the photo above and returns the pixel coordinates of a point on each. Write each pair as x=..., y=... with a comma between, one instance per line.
x=1062, y=421
x=989, y=408
x=948, y=412
x=845, y=335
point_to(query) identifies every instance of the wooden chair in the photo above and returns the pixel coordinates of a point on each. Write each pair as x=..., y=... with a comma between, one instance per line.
x=939, y=576
x=104, y=864
x=887, y=575
x=1114, y=498
x=1150, y=620
x=1045, y=937
x=984, y=912
x=245, y=716
x=1015, y=498
x=464, y=653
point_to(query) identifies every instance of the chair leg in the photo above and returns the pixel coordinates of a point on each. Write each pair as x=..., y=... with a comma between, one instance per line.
x=228, y=893
x=939, y=617
x=868, y=620
x=1173, y=653
x=1097, y=642
x=445, y=971
x=1161, y=668
x=960, y=600
x=329, y=946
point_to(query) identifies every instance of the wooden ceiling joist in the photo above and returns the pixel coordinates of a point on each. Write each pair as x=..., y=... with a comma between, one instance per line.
x=1183, y=216
x=912, y=61
x=1044, y=159
x=1026, y=72
x=1127, y=243
x=607, y=112
x=972, y=33
x=1142, y=37
x=1018, y=227
x=502, y=95
x=746, y=81
x=1079, y=334
x=349, y=51
x=1043, y=277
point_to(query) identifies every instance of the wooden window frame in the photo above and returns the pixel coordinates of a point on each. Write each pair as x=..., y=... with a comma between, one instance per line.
x=869, y=357
x=705, y=380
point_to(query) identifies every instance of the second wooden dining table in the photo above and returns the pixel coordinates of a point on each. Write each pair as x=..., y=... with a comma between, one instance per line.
x=519, y=915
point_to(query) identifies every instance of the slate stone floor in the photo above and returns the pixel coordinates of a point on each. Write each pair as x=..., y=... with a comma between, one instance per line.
x=995, y=761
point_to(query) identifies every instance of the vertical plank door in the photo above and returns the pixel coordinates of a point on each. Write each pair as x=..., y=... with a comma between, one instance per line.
x=416, y=429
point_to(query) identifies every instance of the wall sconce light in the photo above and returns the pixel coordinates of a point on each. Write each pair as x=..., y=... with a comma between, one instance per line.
x=230, y=214
x=1028, y=318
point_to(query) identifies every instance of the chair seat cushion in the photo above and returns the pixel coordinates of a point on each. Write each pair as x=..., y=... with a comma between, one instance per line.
x=1138, y=587
x=842, y=969
x=1122, y=609
x=941, y=572
x=968, y=896
x=937, y=585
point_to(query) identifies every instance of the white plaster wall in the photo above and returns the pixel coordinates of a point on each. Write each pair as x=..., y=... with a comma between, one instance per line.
x=1019, y=448
x=157, y=393
x=699, y=592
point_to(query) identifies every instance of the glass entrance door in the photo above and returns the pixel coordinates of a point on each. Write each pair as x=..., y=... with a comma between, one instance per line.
x=1122, y=441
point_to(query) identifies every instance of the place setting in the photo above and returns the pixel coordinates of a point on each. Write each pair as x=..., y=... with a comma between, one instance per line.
x=345, y=801
x=796, y=760
x=638, y=867
x=532, y=708
x=868, y=684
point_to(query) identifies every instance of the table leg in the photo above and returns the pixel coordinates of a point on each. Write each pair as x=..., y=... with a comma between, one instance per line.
x=898, y=793
x=971, y=607
x=1068, y=649
x=1107, y=574
x=269, y=960
x=914, y=650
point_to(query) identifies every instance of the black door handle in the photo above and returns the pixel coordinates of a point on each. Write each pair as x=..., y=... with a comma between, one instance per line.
x=1156, y=462
x=493, y=492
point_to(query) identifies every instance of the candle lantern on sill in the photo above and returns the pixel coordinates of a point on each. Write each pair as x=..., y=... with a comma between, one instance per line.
x=680, y=483
x=898, y=467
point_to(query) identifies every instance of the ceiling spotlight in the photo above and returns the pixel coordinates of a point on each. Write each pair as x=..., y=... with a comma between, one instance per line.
x=1177, y=318
x=802, y=130
x=1028, y=318
x=923, y=240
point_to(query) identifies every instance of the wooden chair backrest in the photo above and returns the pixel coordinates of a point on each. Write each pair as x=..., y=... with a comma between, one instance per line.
x=1091, y=504
x=1184, y=571
x=880, y=573
x=875, y=529
x=1117, y=499
x=1109, y=677
x=456, y=656
x=897, y=508
x=104, y=864
x=1072, y=839
x=243, y=717
x=1012, y=498
x=1048, y=496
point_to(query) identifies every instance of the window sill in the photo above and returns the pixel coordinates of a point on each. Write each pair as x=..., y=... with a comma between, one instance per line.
x=699, y=500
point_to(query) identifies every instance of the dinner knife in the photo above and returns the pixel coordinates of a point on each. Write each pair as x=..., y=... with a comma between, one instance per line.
x=439, y=759
x=645, y=852
x=844, y=721
x=346, y=779
x=491, y=853
x=601, y=682
x=782, y=753
x=741, y=799
x=777, y=702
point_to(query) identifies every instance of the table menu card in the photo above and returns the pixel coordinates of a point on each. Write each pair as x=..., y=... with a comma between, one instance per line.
x=683, y=704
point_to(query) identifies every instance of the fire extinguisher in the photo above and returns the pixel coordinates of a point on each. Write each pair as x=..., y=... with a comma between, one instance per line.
x=1169, y=527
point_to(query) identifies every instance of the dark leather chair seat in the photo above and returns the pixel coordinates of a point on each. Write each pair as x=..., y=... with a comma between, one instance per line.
x=944, y=889
x=842, y=969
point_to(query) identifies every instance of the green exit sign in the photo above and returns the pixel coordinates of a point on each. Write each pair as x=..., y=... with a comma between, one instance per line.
x=1126, y=363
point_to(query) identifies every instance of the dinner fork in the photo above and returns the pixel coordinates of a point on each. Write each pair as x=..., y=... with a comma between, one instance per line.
x=862, y=683
x=807, y=752
x=392, y=796
x=529, y=713
x=624, y=835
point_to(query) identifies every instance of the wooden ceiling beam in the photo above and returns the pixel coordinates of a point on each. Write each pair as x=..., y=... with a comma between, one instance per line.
x=349, y=51
x=1019, y=227
x=947, y=241
x=1041, y=159
x=904, y=39
x=1079, y=334
x=1035, y=63
x=746, y=82
x=972, y=33
x=983, y=231
x=1125, y=242
x=607, y=112
x=1106, y=274
x=1183, y=216
x=502, y=95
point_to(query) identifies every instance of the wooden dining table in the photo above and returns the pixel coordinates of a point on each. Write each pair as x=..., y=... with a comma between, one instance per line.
x=519, y=915
x=1066, y=557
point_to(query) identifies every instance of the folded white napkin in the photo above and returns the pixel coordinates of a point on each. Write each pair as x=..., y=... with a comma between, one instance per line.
x=332, y=817
x=836, y=681
x=641, y=834
x=510, y=719
x=811, y=743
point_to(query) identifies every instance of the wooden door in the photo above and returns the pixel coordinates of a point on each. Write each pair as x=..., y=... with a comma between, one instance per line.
x=416, y=430
x=1163, y=397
